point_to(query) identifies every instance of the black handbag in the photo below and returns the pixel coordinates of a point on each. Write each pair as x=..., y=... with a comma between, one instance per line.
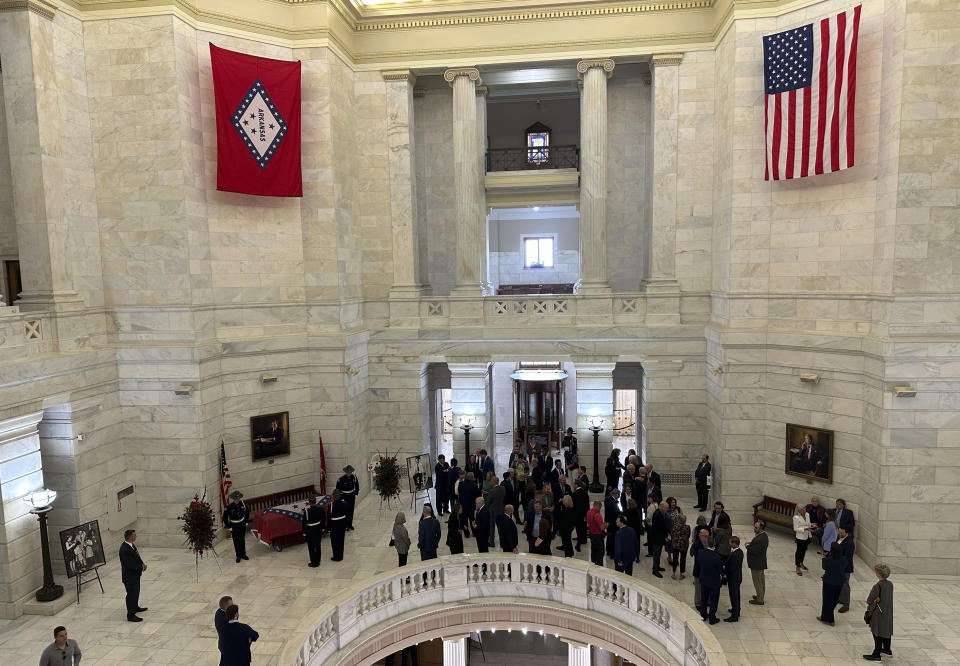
x=867, y=616
x=392, y=542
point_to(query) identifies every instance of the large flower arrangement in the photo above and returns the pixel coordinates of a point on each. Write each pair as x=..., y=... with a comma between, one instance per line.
x=199, y=524
x=386, y=477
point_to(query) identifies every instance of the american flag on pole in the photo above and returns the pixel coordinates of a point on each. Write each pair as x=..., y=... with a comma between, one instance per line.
x=225, y=482
x=810, y=77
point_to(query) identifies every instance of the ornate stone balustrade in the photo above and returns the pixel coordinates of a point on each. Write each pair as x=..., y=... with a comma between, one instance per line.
x=459, y=593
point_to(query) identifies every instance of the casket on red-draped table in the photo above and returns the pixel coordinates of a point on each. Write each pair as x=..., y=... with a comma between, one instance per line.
x=282, y=525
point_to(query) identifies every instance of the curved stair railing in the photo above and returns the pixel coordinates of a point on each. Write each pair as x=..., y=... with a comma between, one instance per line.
x=461, y=579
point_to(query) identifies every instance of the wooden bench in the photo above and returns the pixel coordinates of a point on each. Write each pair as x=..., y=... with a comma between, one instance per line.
x=775, y=511
x=284, y=497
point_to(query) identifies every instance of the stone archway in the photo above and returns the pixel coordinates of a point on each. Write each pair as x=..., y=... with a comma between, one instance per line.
x=459, y=619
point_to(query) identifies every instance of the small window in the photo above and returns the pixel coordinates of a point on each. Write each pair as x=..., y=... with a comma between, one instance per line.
x=538, y=144
x=538, y=253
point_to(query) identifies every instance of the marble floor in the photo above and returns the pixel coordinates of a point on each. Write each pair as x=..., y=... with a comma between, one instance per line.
x=274, y=590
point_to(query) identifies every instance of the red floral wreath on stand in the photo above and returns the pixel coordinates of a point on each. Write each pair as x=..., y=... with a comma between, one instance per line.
x=386, y=477
x=199, y=524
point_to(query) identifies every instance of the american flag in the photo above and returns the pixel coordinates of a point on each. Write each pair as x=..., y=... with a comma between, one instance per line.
x=810, y=77
x=225, y=482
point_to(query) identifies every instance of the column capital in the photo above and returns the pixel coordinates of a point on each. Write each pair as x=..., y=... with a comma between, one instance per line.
x=665, y=60
x=606, y=64
x=471, y=72
x=38, y=7
x=399, y=75
x=482, y=91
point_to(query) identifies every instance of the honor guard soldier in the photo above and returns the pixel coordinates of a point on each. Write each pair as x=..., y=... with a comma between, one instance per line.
x=314, y=518
x=338, y=524
x=349, y=485
x=235, y=518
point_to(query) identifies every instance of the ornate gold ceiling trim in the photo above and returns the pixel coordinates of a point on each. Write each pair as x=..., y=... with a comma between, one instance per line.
x=531, y=15
x=38, y=7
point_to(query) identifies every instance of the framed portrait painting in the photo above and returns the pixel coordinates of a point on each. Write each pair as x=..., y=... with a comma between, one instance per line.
x=82, y=548
x=419, y=473
x=809, y=453
x=270, y=435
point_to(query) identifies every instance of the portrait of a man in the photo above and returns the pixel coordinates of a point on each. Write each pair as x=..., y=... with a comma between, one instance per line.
x=809, y=452
x=270, y=434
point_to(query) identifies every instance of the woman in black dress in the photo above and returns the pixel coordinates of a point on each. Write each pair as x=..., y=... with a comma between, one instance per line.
x=454, y=535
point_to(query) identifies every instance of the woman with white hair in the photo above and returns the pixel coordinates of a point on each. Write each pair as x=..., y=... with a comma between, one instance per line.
x=880, y=610
x=801, y=529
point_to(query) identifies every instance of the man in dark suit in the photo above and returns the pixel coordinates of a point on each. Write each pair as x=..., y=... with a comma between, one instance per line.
x=652, y=492
x=734, y=573
x=757, y=561
x=532, y=525
x=220, y=619
x=715, y=516
x=848, y=548
x=611, y=509
x=236, y=638
x=507, y=530
x=625, y=548
x=338, y=525
x=654, y=476
x=494, y=501
x=469, y=492
x=486, y=465
x=708, y=569
x=349, y=485
x=581, y=504
x=584, y=477
x=314, y=519
x=481, y=525
x=440, y=485
x=703, y=471
x=657, y=536
x=131, y=568
x=845, y=518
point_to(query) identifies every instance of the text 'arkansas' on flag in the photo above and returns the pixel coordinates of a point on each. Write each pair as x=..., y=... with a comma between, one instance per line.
x=258, y=124
x=810, y=80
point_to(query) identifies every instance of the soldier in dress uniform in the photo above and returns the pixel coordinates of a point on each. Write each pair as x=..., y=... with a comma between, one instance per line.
x=349, y=485
x=339, y=514
x=235, y=517
x=314, y=518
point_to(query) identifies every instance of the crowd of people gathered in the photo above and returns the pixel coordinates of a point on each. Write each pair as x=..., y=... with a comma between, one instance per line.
x=548, y=499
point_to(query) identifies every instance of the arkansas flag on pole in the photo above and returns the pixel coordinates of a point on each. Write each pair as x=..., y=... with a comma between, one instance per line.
x=258, y=124
x=810, y=77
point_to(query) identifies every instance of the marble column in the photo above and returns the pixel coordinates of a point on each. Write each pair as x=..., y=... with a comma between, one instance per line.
x=665, y=114
x=34, y=136
x=594, y=399
x=602, y=657
x=469, y=387
x=593, y=176
x=455, y=650
x=578, y=654
x=21, y=473
x=485, y=285
x=407, y=280
x=466, y=176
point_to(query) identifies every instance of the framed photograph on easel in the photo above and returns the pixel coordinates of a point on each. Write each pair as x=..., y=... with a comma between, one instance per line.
x=82, y=548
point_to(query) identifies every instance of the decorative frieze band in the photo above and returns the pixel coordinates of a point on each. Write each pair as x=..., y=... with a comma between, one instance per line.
x=399, y=75
x=666, y=60
x=472, y=72
x=38, y=7
x=606, y=64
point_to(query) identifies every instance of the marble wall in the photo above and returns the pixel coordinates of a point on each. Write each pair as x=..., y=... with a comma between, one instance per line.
x=8, y=222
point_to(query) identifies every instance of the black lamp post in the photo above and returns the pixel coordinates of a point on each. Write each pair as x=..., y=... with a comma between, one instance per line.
x=595, y=423
x=466, y=425
x=41, y=502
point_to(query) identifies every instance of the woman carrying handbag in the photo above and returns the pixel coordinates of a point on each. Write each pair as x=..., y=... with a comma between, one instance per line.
x=879, y=613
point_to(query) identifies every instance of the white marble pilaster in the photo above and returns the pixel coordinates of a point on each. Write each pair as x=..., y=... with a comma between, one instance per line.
x=593, y=176
x=407, y=281
x=466, y=177
x=469, y=385
x=455, y=650
x=578, y=654
x=29, y=79
x=665, y=116
x=594, y=398
x=486, y=286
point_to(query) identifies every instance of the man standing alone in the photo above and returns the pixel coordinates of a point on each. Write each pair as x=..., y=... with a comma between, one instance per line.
x=235, y=517
x=703, y=471
x=757, y=561
x=131, y=568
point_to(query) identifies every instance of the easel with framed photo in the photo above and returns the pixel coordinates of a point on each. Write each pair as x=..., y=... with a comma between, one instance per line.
x=83, y=554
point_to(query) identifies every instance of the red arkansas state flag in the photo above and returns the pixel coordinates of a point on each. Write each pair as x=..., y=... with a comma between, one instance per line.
x=258, y=124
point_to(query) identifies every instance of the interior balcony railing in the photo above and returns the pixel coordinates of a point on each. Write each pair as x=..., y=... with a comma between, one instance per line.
x=532, y=159
x=458, y=594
